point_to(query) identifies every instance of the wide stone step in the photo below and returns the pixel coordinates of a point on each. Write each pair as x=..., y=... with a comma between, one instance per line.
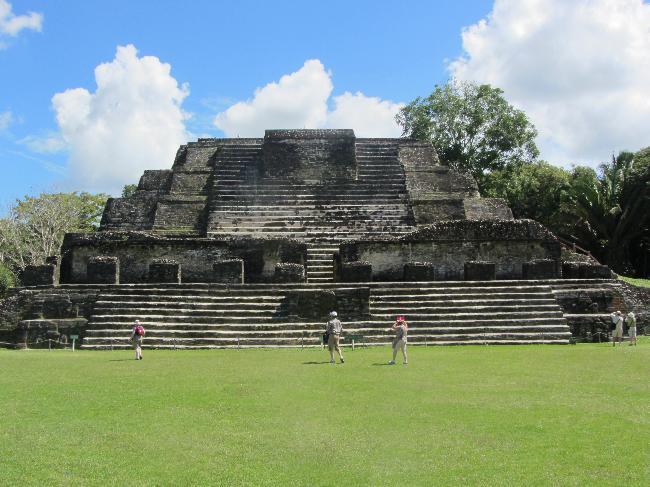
x=484, y=306
x=306, y=228
x=307, y=199
x=361, y=189
x=170, y=296
x=370, y=334
x=313, y=222
x=392, y=205
x=290, y=186
x=214, y=317
x=353, y=327
x=479, y=300
x=104, y=306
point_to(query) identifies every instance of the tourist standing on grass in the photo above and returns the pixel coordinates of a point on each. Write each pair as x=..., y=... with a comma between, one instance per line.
x=333, y=331
x=400, y=327
x=630, y=321
x=617, y=334
x=137, y=334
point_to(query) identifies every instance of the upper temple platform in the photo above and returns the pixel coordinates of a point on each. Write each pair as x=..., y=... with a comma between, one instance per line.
x=301, y=184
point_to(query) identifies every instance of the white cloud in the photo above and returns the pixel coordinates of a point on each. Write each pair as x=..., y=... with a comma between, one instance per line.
x=300, y=100
x=580, y=69
x=368, y=116
x=132, y=122
x=47, y=144
x=11, y=24
x=6, y=119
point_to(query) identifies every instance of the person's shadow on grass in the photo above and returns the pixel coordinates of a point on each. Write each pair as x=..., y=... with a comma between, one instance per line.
x=382, y=363
x=316, y=363
x=121, y=360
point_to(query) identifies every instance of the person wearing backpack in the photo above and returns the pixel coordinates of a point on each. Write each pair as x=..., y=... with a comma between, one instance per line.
x=137, y=334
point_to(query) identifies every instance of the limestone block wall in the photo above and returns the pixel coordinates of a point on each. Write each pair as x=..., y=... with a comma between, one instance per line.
x=196, y=256
x=449, y=245
x=32, y=317
x=439, y=193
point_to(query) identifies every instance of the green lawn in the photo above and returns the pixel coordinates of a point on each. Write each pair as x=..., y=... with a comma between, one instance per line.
x=511, y=415
x=636, y=281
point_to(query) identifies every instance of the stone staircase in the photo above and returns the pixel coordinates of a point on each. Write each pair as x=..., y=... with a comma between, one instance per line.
x=221, y=316
x=244, y=203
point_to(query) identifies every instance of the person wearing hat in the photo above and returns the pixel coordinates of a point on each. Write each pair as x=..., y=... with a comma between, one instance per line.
x=399, y=343
x=630, y=321
x=617, y=334
x=333, y=331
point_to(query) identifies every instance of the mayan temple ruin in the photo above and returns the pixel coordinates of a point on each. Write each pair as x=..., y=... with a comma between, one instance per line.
x=251, y=242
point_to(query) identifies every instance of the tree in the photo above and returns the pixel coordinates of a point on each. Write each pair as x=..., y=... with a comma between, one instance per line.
x=129, y=190
x=612, y=206
x=539, y=191
x=473, y=128
x=7, y=279
x=36, y=226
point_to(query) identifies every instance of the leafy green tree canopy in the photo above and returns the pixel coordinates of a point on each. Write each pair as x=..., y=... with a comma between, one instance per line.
x=612, y=207
x=473, y=128
x=7, y=279
x=539, y=191
x=129, y=190
x=36, y=225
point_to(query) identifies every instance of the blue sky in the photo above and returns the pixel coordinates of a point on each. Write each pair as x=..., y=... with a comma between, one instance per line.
x=566, y=62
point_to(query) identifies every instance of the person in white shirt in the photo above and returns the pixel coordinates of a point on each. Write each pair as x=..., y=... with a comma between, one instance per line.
x=334, y=329
x=630, y=321
x=617, y=334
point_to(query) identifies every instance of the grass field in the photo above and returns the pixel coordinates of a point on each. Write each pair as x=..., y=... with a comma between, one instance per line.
x=511, y=415
x=636, y=281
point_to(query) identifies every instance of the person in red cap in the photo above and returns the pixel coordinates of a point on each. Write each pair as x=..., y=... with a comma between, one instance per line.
x=401, y=331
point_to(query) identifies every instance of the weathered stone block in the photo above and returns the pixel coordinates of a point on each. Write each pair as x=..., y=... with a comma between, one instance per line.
x=595, y=271
x=540, y=269
x=38, y=275
x=480, y=271
x=571, y=270
x=311, y=156
x=164, y=270
x=353, y=302
x=356, y=271
x=487, y=209
x=308, y=304
x=103, y=270
x=287, y=272
x=292, y=252
x=229, y=271
x=419, y=271
x=156, y=180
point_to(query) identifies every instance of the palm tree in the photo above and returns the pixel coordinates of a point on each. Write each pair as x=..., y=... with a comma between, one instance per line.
x=613, y=207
